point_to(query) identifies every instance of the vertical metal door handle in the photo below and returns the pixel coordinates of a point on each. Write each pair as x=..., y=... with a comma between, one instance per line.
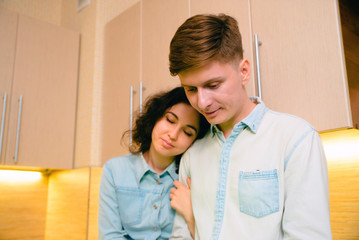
x=18, y=130
x=142, y=88
x=131, y=113
x=259, y=86
x=3, y=122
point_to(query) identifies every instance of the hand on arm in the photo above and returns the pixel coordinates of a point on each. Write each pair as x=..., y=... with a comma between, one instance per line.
x=181, y=202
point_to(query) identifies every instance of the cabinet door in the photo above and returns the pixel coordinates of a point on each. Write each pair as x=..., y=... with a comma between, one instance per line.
x=160, y=20
x=239, y=9
x=121, y=71
x=45, y=76
x=301, y=58
x=8, y=29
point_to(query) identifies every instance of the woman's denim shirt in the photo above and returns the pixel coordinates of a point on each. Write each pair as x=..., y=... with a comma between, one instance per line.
x=134, y=200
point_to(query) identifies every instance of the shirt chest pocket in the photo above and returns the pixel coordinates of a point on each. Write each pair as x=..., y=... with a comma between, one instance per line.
x=258, y=193
x=130, y=204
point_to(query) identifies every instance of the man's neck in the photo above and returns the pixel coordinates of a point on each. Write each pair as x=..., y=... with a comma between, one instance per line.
x=228, y=126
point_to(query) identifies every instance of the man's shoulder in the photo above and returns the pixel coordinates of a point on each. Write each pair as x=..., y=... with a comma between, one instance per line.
x=287, y=121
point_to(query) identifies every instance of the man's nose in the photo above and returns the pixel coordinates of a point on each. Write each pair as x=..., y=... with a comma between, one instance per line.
x=203, y=99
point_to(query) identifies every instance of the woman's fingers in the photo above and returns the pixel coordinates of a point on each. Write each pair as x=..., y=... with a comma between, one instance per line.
x=178, y=184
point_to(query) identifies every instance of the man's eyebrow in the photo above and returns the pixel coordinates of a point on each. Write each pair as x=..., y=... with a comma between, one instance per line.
x=186, y=86
x=188, y=125
x=209, y=81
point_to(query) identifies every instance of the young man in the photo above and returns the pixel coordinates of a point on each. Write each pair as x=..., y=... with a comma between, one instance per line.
x=258, y=174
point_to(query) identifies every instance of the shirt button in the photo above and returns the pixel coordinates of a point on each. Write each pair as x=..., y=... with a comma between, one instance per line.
x=154, y=229
x=155, y=206
x=158, y=182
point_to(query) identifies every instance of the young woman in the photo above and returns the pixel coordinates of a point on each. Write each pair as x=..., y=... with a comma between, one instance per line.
x=134, y=198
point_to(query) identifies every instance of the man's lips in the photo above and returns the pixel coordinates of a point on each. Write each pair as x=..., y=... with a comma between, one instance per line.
x=211, y=113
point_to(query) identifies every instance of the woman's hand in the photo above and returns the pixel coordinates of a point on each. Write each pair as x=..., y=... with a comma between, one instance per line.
x=181, y=202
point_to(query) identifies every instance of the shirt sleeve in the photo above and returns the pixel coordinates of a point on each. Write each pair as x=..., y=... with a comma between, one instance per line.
x=306, y=203
x=180, y=229
x=109, y=220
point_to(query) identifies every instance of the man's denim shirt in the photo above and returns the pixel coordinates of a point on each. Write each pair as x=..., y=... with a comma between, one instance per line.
x=267, y=180
x=134, y=200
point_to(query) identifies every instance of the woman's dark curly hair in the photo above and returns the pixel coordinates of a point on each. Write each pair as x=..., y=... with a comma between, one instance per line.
x=155, y=108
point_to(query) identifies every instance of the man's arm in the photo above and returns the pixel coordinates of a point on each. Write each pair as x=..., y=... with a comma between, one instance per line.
x=306, y=203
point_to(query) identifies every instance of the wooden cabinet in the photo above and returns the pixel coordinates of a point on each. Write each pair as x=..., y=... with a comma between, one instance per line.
x=136, y=56
x=302, y=61
x=8, y=30
x=121, y=79
x=160, y=20
x=40, y=78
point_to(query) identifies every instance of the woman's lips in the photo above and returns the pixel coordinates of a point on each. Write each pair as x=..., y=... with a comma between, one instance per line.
x=167, y=144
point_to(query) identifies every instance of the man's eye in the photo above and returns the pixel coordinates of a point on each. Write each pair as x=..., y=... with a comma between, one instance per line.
x=190, y=89
x=215, y=85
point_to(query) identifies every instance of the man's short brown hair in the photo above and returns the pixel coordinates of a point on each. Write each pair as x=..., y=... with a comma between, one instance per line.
x=202, y=39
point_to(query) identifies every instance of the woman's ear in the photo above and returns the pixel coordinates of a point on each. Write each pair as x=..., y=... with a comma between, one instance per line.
x=245, y=69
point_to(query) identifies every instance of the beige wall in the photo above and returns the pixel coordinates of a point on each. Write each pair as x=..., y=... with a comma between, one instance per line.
x=84, y=22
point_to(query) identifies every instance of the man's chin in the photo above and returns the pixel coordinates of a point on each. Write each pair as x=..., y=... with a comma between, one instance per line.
x=213, y=121
x=213, y=118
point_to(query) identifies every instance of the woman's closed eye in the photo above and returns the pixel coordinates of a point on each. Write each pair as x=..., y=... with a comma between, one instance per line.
x=188, y=133
x=170, y=119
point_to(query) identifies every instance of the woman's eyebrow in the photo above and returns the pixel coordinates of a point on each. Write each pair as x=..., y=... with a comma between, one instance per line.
x=173, y=114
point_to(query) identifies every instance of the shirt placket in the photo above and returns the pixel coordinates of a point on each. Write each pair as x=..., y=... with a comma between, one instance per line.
x=156, y=206
x=222, y=181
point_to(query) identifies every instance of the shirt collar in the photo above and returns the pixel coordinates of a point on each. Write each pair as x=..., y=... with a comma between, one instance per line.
x=141, y=168
x=252, y=121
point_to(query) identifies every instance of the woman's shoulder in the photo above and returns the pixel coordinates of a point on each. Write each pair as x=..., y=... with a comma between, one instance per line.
x=121, y=162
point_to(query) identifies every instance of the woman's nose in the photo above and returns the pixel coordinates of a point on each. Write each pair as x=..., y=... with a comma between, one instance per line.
x=173, y=133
